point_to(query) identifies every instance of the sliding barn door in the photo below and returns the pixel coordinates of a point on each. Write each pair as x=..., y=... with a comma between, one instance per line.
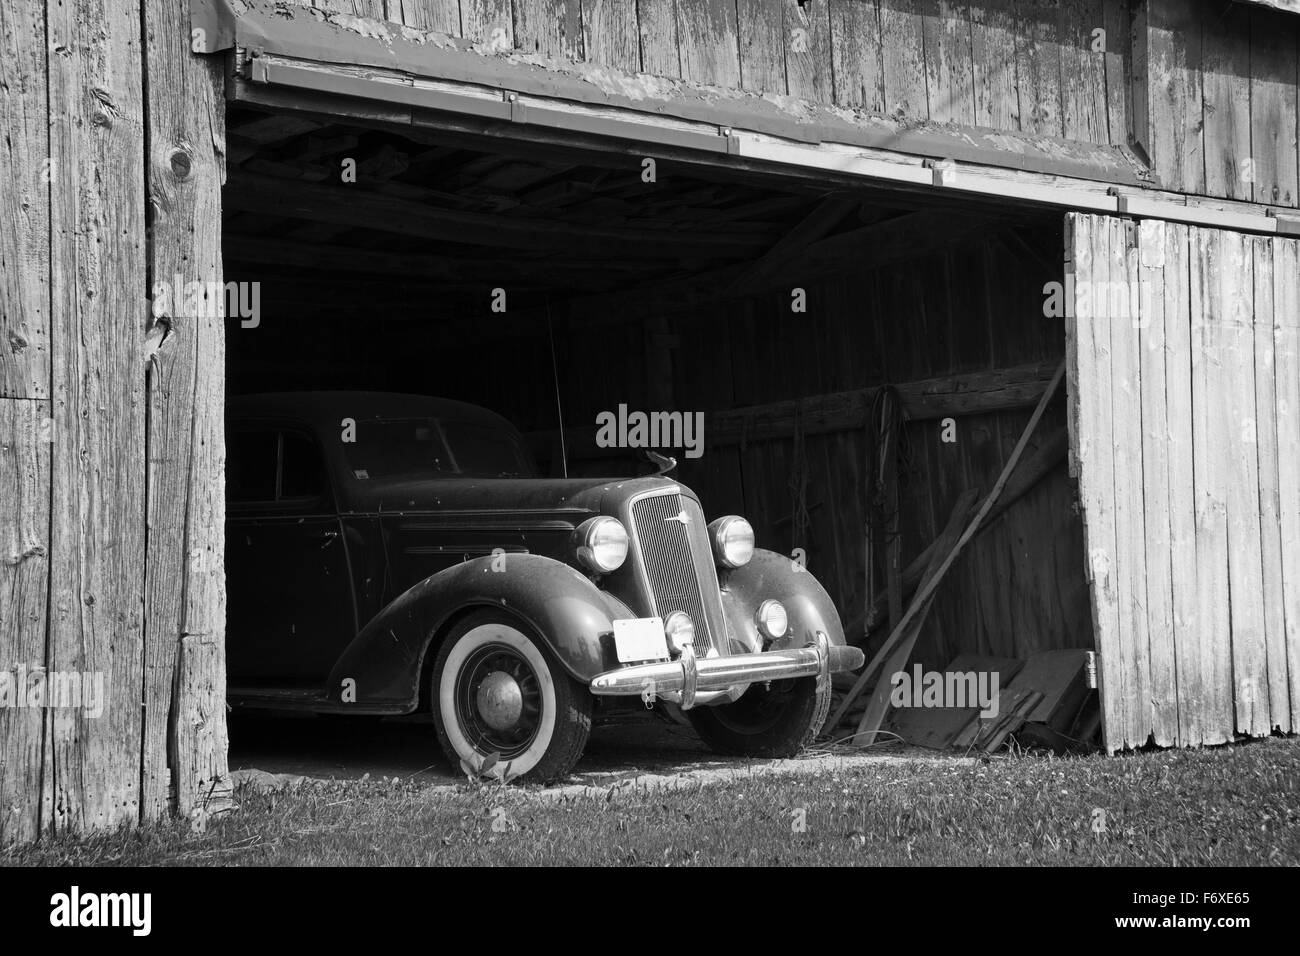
x=1184, y=388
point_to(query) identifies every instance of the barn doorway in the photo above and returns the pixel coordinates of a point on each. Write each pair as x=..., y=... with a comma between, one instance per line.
x=552, y=283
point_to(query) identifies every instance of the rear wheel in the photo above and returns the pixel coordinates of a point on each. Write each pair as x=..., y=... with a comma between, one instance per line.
x=775, y=722
x=497, y=689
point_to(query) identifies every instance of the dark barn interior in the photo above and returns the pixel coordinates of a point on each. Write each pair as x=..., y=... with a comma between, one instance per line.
x=677, y=294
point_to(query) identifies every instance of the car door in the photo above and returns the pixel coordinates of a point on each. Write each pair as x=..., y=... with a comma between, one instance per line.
x=290, y=603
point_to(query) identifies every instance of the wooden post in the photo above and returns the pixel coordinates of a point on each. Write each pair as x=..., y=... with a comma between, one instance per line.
x=184, y=573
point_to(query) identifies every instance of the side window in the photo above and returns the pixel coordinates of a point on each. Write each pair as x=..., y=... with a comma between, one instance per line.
x=250, y=465
x=302, y=471
x=268, y=465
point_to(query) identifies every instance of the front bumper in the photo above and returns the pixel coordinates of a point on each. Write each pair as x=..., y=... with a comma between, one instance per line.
x=683, y=679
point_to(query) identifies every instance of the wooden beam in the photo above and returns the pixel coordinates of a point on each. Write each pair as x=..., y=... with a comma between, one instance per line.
x=416, y=266
x=967, y=393
x=355, y=207
x=880, y=244
x=829, y=213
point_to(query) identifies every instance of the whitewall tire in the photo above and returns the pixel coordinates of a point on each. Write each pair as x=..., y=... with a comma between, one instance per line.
x=497, y=689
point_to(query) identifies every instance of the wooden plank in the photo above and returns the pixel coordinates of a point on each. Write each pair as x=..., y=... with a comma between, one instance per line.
x=1156, y=493
x=609, y=34
x=1011, y=720
x=761, y=32
x=361, y=8
x=24, y=205
x=1130, y=530
x=1270, y=503
x=1060, y=676
x=1213, y=432
x=1286, y=383
x=658, y=34
x=184, y=599
x=1227, y=101
x=1090, y=420
x=708, y=41
x=949, y=73
x=1083, y=72
x=1173, y=97
x=489, y=22
x=993, y=52
x=1118, y=64
x=550, y=28
x=923, y=400
x=1236, y=359
x=97, y=389
x=24, y=594
x=440, y=16
x=877, y=706
x=903, y=59
x=1274, y=54
x=939, y=728
x=1038, y=66
x=856, y=54
x=1189, y=670
x=809, y=72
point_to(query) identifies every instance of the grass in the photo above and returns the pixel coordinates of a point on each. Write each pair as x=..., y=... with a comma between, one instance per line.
x=1223, y=806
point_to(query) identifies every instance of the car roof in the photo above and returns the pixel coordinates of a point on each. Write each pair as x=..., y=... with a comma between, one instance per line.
x=327, y=407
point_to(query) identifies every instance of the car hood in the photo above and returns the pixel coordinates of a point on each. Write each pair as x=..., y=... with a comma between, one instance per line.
x=593, y=495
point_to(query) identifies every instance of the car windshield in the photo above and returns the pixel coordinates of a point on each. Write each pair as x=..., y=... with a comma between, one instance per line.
x=428, y=447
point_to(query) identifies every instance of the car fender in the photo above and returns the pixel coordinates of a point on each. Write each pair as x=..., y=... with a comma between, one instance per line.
x=573, y=616
x=771, y=575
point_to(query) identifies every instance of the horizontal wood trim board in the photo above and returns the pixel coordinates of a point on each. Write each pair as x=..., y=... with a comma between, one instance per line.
x=301, y=33
x=1006, y=172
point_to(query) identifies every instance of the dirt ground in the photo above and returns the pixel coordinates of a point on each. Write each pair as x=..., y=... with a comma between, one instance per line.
x=629, y=749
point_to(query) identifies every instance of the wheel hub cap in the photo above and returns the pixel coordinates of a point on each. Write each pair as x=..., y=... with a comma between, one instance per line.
x=500, y=701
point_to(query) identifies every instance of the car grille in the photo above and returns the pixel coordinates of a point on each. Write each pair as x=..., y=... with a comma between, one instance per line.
x=678, y=563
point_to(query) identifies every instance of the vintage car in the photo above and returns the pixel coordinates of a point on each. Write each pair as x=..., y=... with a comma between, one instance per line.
x=394, y=554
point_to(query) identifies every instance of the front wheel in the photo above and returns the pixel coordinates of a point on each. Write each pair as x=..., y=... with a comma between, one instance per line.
x=775, y=722
x=497, y=689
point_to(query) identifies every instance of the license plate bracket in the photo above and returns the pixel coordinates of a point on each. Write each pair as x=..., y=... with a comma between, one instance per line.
x=640, y=639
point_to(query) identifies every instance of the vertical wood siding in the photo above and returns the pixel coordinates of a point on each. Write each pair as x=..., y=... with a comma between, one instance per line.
x=110, y=424
x=1183, y=422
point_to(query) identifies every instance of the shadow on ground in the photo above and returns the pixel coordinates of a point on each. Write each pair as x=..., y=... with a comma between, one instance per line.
x=349, y=748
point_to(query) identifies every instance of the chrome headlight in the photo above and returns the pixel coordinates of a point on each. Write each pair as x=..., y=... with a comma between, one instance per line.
x=733, y=541
x=680, y=630
x=772, y=619
x=602, y=544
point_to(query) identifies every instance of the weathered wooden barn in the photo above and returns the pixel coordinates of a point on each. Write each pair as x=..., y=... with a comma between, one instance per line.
x=811, y=220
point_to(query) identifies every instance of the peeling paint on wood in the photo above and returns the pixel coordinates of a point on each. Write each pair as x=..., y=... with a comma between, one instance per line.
x=856, y=54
